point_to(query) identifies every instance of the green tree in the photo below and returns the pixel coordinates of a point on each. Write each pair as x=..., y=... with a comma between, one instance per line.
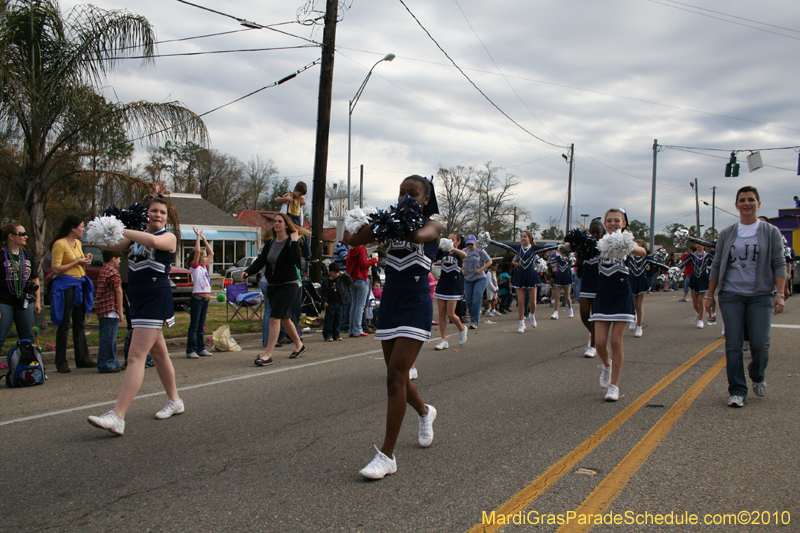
x=534, y=228
x=48, y=65
x=553, y=230
x=639, y=229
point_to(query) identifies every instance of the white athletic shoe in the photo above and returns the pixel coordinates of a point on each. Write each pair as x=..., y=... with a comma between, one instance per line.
x=426, y=427
x=521, y=327
x=172, y=408
x=204, y=353
x=612, y=394
x=631, y=326
x=699, y=324
x=192, y=355
x=554, y=316
x=109, y=421
x=462, y=336
x=443, y=345
x=380, y=466
x=590, y=352
x=605, y=376
x=533, y=321
x=638, y=332
x=412, y=373
x=570, y=314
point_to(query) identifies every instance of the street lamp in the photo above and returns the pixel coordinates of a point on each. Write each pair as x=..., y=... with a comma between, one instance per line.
x=352, y=106
x=584, y=215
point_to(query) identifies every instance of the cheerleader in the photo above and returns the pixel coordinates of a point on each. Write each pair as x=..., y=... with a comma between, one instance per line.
x=405, y=322
x=526, y=279
x=639, y=284
x=151, y=253
x=698, y=281
x=562, y=279
x=449, y=291
x=589, y=278
x=613, y=306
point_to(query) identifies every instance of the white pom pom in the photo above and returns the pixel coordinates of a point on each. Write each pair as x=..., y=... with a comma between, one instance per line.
x=106, y=231
x=617, y=245
x=540, y=265
x=681, y=237
x=445, y=245
x=482, y=240
x=357, y=218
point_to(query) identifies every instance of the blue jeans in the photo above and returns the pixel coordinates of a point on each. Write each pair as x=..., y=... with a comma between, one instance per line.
x=107, y=352
x=346, y=316
x=474, y=291
x=333, y=318
x=265, y=316
x=78, y=317
x=358, y=300
x=198, y=309
x=23, y=318
x=755, y=312
x=686, y=286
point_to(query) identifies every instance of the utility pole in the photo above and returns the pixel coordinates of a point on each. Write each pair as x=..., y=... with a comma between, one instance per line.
x=653, y=199
x=569, y=186
x=323, y=131
x=514, y=226
x=713, y=211
x=697, y=208
x=361, y=189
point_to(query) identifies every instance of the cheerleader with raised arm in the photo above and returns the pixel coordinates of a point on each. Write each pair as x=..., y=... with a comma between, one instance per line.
x=613, y=305
x=449, y=291
x=561, y=281
x=405, y=321
x=698, y=281
x=151, y=253
x=526, y=280
x=639, y=284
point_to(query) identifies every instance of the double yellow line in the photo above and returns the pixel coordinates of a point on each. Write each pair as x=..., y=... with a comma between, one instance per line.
x=607, y=490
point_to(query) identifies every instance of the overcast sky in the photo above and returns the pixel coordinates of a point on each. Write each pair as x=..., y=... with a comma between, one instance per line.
x=608, y=76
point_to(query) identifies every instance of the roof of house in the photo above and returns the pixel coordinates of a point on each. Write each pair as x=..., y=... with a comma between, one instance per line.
x=261, y=219
x=193, y=209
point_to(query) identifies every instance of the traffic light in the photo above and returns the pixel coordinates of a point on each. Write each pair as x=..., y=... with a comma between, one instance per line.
x=732, y=168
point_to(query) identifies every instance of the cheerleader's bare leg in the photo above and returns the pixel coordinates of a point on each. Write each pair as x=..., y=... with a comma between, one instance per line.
x=697, y=302
x=447, y=310
x=617, y=353
x=399, y=355
x=638, y=303
x=521, y=303
x=442, y=304
x=556, y=297
x=601, y=341
x=587, y=304
x=532, y=293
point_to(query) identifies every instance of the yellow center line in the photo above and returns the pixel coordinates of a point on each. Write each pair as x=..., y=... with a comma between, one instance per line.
x=538, y=486
x=608, y=489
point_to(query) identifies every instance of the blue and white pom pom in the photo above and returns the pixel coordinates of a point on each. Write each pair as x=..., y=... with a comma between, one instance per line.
x=661, y=255
x=681, y=237
x=482, y=240
x=675, y=273
x=106, y=231
x=357, y=218
x=617, y=245
x=540, y=265
x=446, y=245
x=398, y=222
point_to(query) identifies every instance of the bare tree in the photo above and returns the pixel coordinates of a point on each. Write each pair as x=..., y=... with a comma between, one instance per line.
x=220, y=178
x=494, y=190
x=257, y=178
x=454, y=196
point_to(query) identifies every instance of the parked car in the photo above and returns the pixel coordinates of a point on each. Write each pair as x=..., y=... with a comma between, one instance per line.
x=179, y=278
x=234, y=272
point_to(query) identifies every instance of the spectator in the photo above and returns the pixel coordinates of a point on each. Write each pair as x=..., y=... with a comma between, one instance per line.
x=475, y=265
x=201, y=295
x=18, y=298
x=358, y=269
x=293, y=203
x=334, y=292
x=797, y=202
x=109, y=309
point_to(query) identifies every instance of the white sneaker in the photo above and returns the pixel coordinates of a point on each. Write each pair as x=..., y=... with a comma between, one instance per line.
x=109, y=421
x=462, y=336
x=172, y=408
x=192, y=355
x=699, y=324
x=412, y=373
x=443, y=345
x=426, y=427
x=204, y=353
x=533, y=321
x=554, y=316
x=590, y=352
x=379, y=467
x=638, y=332
x=612, y=394
x=631, y=326
x=605, y=376
x=570, y=314
x=521, y=327
x=736, y=401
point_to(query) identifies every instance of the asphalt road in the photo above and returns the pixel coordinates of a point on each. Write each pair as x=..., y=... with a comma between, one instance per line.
x=279, y=449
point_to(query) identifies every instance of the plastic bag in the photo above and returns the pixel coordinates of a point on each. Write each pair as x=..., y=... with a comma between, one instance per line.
x=223, y=342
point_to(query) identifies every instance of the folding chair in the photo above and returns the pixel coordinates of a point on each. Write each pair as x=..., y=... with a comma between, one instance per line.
x=244, y=304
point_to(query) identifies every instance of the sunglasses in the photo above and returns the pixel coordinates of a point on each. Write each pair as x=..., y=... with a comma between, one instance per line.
x=20, y=234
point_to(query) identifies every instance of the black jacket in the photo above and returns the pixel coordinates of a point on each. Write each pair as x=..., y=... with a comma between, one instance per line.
x=286, y=267
x=343, y=283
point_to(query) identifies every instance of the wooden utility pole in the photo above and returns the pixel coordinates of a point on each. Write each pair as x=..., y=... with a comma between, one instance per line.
x=697, y=208
x=713, y=212
x=323, y=131
x=653, y=199
x=361, y=188
x=569, y=186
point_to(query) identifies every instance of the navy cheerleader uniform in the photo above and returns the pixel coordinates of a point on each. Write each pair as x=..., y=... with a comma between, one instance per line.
x=698, y=280
x=149, y=289
x=451, y=283
x=614, y=300
x=563, y=275
x=526, y=276
x=590, y=278
x=406, y=305
x=638, y=268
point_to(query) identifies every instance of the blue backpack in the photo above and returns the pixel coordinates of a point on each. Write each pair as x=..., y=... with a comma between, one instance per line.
x=25, y=365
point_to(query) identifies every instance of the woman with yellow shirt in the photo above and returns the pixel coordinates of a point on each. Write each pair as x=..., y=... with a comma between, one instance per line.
x=71, y=293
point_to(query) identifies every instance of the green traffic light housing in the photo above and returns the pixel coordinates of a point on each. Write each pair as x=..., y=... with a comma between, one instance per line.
x=732, y=168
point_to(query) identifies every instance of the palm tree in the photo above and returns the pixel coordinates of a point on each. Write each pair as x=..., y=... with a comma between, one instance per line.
x=48, y=65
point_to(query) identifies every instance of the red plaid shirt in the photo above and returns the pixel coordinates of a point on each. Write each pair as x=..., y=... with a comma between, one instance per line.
x=105, y=301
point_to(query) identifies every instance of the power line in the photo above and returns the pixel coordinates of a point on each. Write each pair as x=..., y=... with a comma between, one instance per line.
x=612, y=168
x=472, y=82
x=212, y=52
x=732, y=16
x=729, y=150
